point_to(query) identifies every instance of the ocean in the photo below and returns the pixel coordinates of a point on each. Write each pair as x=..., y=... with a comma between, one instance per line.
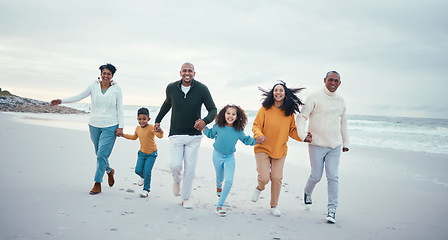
x=426, y=135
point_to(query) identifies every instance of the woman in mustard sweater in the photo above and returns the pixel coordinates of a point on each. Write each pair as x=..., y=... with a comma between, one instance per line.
x=274, y=124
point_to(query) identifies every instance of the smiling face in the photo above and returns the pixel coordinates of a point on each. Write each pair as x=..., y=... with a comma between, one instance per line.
x=230, y=116
x=332, y=81
x=106, y=76
x=279, y=93
x=187, y=74
x=143, y=120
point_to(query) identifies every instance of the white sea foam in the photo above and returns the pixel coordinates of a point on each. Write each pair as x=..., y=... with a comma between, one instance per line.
x=409, y=134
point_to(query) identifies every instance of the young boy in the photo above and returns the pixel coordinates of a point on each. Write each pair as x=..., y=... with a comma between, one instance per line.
x=148, y=149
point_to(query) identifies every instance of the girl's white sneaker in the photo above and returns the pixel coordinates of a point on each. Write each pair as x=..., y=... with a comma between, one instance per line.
x=276, y=212
x=256, y=195
x=186, y=203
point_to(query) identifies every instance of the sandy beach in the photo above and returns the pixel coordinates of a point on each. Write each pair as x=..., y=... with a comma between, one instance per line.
x=46, y=174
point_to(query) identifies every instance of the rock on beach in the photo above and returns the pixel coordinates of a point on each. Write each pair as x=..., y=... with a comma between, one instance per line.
x=20, y=104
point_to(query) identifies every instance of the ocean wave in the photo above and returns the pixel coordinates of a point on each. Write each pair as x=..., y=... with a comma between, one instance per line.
x=410, y=134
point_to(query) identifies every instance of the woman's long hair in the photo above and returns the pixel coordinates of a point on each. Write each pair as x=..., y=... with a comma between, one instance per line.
x=291, y=103
x=241, y=118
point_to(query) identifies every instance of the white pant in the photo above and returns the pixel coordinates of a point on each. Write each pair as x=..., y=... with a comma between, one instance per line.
x=328, y=157
x=184, y=151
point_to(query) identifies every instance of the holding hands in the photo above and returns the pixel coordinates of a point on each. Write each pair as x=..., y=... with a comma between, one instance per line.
x=260, y=140
x=119, y=132
x=157, y=127
x=199, y=124
x=308, y=138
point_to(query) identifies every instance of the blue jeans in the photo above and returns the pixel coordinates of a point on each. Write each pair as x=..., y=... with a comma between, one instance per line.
x=103, y=139
x=225, y=169
x=145, y=162
x=328, y=157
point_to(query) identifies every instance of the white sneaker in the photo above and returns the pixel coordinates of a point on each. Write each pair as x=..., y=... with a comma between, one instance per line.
x=307, y=200
x=141, y=181
x=187, y=204
x=331, y=216
x=144, y=194
x=256, y=195
x=176, y=189
x=276, y=212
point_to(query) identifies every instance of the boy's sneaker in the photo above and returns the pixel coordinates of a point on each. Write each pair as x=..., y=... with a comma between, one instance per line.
x=256, y=195
x=176, y=189
x=276, y=212
x=308, y=201
x=144, y=194
x=331, y=216
x=141, y=181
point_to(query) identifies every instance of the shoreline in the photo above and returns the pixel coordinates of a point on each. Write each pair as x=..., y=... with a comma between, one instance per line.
x=46, y=173
x=80, y=122
x=297, y=151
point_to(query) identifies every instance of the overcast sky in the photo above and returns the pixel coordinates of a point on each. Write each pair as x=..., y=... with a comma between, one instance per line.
x=392, y=55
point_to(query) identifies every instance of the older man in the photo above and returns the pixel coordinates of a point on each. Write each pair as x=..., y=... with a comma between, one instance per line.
x=185, y=97
x=326, y=112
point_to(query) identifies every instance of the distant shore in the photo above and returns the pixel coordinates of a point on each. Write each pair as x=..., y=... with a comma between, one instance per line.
x=13, y=103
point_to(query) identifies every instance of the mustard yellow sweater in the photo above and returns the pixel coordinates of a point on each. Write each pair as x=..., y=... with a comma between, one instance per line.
x=146, y=136
x=276, y=128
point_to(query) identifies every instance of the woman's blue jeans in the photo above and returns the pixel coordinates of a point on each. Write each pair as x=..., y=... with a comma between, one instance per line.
x=225, y=170
x=145, y=162
x=103, y=139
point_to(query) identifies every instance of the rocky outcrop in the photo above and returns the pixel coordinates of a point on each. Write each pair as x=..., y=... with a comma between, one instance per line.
x=19, y=104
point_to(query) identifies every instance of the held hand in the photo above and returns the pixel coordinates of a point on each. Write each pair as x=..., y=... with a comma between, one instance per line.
x=119, y=132
x=55, y=102
x=308, y=138
x=157, y=127
x=345, y=149
x=260, y=140
x=199, y=124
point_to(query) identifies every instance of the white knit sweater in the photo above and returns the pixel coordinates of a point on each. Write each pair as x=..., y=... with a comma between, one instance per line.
x=326, y=112
x=106, y=109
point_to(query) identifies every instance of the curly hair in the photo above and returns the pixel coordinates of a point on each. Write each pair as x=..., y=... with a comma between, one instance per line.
x=291, y=103
x=241, y=118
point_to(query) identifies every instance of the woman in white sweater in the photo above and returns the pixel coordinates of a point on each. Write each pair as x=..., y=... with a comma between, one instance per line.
x=106, y=120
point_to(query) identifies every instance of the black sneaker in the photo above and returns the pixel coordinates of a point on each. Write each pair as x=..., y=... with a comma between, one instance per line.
x=331, y=216
x=308, y=201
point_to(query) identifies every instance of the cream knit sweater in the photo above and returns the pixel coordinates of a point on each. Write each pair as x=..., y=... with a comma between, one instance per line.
x=326, y=113
x=106, y=109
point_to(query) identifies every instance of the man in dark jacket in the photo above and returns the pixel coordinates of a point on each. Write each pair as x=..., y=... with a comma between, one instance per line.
x=185, y=97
